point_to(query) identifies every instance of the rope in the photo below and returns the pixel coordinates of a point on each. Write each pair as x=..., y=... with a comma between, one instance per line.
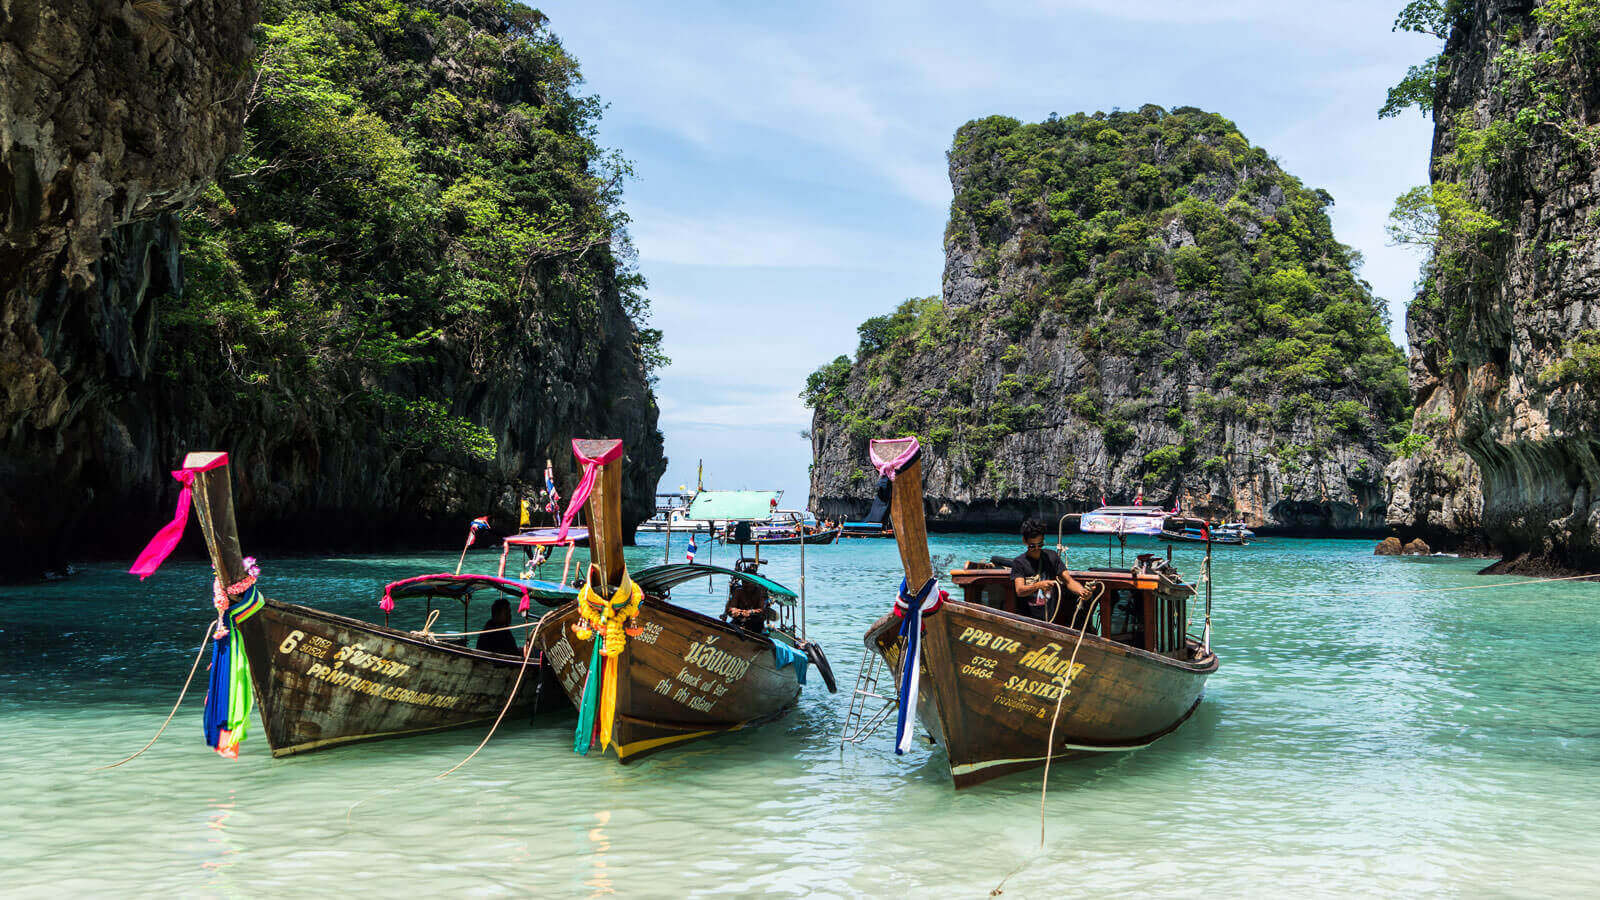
x=204, y=643
x=527, y=652
x=449, y=634
x=426, y=633
x=1098, y=590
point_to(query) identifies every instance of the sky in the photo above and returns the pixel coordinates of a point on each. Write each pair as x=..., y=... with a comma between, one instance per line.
x=790, y=164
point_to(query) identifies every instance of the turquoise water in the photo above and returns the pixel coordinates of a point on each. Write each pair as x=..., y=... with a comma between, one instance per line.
x=1353, y=742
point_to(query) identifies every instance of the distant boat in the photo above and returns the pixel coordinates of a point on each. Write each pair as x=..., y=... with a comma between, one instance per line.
x=787, y=526
x=672, y=514
x=865, y=530
x=1180, y=529
x=1123, y=520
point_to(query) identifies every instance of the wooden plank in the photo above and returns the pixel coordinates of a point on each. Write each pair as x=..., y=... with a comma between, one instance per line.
x=905, y=511
x=213, y=503
x=605, y=513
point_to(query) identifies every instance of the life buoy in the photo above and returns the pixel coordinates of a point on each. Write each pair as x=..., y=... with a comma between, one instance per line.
x=820, y=660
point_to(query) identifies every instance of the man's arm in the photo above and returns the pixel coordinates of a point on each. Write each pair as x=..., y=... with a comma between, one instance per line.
x=1023, y=588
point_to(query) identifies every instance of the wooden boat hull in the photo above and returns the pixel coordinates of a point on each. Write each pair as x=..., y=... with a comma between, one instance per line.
x=812, y=540
x=990, y=685
x=323, y=679
x=688, y=676
x=1190, y=539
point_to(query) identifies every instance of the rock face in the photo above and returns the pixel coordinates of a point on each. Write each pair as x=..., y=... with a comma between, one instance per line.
x=1511, y=324
x=1435, y=490
x=1130, y=300
x=1389, y=546
x=114, y=116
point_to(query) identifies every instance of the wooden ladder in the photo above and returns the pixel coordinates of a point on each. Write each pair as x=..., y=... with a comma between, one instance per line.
x=858, y=725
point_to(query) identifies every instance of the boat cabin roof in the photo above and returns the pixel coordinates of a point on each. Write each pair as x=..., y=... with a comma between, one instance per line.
x=734, y=506
x=660, y=579
x=461, y=587
x=547, y=537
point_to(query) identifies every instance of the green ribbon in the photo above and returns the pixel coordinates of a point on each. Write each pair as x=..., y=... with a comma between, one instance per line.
x=591, y=700
x=241, y=695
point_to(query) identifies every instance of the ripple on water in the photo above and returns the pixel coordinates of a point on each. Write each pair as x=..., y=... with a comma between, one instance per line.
x=1352, y=742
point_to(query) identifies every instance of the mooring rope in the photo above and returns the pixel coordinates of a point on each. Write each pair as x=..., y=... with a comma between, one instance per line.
x=204, y=643
x=1098, y=591
x=527, y=653
x=451, y=634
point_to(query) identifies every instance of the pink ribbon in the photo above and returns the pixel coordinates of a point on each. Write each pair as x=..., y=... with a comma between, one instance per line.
x=166, y=540
x=580, y=494
x=892, y=467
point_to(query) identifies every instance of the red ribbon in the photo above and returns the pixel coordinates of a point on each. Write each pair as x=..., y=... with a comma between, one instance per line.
x=580, y=494
x=166, y=540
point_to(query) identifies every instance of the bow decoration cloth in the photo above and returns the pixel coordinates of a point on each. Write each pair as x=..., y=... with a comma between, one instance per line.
x=580, y=494
x=911, y=608
x=892, y=467
x=166, y=540
x=608, y=621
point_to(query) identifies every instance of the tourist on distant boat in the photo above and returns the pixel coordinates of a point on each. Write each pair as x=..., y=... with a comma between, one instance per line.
x=498, y=641
x=1039, y=574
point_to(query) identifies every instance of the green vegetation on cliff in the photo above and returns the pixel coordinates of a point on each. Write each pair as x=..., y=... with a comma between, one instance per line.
x=419, y=190
x=1160, y=239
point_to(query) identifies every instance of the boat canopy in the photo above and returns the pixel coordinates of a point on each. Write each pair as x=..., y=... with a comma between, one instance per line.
x=1123, y=520
x=662, y=578
x=734, y=506
x=547, y=537
x=459, y=587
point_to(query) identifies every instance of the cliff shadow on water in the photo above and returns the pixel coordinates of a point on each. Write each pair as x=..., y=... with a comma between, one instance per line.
x=1132, y=301
x=372, y=250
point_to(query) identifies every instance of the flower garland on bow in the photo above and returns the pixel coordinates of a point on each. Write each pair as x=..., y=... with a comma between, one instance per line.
x=609, y=622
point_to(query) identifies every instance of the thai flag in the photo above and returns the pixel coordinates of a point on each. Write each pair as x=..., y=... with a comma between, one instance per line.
x=689, y=554
x=478, y=524
x=554, y=504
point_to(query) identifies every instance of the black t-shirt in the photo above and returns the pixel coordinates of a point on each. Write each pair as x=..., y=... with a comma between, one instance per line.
x=498, y=641
x=1049, y=566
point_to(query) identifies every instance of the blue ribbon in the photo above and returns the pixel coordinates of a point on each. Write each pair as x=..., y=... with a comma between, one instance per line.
x=911, y=660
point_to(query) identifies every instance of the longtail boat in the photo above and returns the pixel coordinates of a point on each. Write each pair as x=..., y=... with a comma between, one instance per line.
x=988, y=682
x=322, y=679
x=647, y=673
x=1183, y=530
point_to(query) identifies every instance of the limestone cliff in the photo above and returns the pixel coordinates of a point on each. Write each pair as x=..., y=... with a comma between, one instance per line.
x=1510, y=311
x=333, y=312
x=1130, y=299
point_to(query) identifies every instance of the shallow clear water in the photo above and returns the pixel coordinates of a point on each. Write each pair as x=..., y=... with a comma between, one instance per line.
x=1352, y=742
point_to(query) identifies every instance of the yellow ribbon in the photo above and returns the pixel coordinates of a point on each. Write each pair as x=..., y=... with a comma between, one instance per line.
x=608, y=617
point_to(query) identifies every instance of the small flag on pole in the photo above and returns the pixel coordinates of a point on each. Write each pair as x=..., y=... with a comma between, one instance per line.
x=693, y=549
x=478, y=525
x=553, y=506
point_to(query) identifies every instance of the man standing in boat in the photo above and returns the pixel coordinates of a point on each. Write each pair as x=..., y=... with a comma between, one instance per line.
x=1038, y=575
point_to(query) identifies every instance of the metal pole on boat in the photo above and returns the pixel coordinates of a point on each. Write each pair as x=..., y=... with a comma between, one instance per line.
x=1205, y=639
x=802, y=578
x=666, y=551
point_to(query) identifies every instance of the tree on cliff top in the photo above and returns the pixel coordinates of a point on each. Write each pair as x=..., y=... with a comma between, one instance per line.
x=418, y=180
